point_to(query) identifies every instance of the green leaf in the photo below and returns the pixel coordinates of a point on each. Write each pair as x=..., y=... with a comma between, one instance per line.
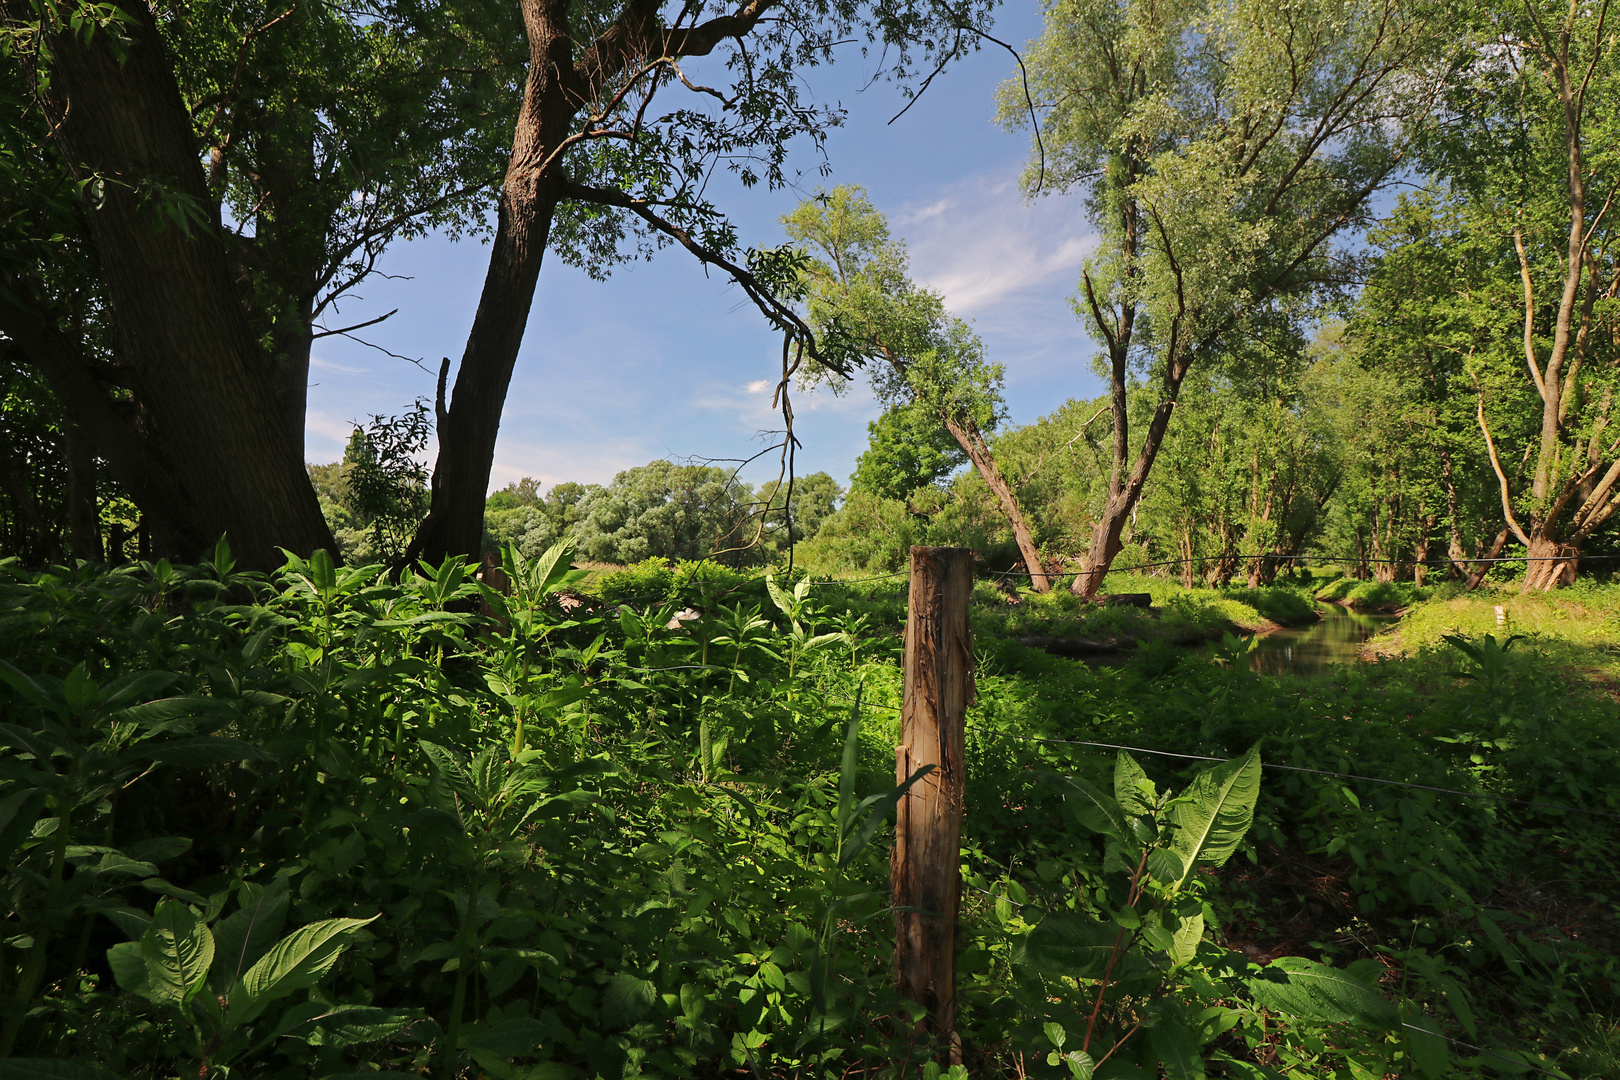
x=1215, y=812
x=197, y=752
x=351, y=1025
x=1165, y=866
x=128, y=966
x=1427, y=1048
x=242, y=937
x=1133, y=790
x=159, y=848
x=1187, y=937
x=518, y=1037
x=1069, y=943
x=1092, y=809
x=875, y=817
x=626, y=999
x=53, y=1069
x=1306, y=990
x=296, y=962
x=1177, y=1049
x=115, y=862
x=178, y=950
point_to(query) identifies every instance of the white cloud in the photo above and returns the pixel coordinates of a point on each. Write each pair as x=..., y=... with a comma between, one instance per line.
x=329, y=365
x=994, y=248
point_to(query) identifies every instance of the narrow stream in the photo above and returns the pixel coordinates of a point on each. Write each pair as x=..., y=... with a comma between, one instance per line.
x=1308, y=650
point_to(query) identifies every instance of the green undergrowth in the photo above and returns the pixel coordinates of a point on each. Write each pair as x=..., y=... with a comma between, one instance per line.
x=1576, y=629
x=1373, y=595
x=1178, y=615
x=329, y=824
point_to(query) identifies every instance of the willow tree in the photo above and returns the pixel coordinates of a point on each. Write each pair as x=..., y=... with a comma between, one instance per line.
x=192, y=188
x=1535, y=150
x=1221, y=146
x=604, y=167
x=863, y=305
x=191, y=191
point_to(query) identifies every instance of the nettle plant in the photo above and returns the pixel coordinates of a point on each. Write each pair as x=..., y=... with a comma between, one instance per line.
x=1152, y=993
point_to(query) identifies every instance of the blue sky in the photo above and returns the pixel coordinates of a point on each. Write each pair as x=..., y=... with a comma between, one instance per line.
x=663, y=361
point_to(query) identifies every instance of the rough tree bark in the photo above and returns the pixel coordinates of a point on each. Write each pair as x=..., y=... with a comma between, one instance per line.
x=1573, y=489
x=967, y=436
x=559, y=85
x=208, y=425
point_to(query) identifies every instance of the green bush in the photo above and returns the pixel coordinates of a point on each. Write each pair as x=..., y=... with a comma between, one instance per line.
x=1385, y=595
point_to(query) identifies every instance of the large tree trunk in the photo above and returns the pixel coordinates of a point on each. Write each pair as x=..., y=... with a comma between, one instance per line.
x=83, y=512
x=529, y=195
x=208, y=416
x=1572, y=491
x=1551, y=564
x=967, y=436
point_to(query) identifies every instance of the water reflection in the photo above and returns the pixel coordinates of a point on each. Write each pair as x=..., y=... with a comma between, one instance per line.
x=1307, y=650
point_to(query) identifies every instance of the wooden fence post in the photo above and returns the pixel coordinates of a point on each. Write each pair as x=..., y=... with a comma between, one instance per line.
x=925, y=870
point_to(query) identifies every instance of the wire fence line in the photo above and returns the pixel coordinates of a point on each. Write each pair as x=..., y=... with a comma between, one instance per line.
x=1265, y=765
x=1439, y=563
x=1316, y=772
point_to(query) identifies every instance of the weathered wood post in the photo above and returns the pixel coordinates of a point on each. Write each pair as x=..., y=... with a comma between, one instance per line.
x=926, y=866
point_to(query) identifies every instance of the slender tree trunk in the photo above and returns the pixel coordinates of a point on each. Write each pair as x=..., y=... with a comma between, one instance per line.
x=967, y=436
x=1420, y=550
x=1486, y=561
x=208, y=413
x=1123, y=497
x=529, y=195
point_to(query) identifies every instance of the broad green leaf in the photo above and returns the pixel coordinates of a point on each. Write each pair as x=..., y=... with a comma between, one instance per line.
x=1177, y=1050
x=1187, y=937
x=197, y=752
x=28, y=688
x=165, y=711
x=778, y=597
x=875, y=817
x=1427, y=1048
x=1301, y=988
x=519, y=1037
x=52, y=1069
x=1215, y=812
x=1081, y=1064
x=178, y=950
x=18, y=813
x=128, y=966
x=548, y=569
x=1164, y=865
x=115, y=862
x=141, y=684
x=296, y=962
x=159, y=848
x=1133, y=790
x=1068, y=943
x=351, y=1025
x=626, y=999
x=244, y=935
x=1092, y=809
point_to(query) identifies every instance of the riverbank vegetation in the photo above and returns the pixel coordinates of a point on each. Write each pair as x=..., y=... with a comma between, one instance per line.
x=333, y=823
x=343, y=771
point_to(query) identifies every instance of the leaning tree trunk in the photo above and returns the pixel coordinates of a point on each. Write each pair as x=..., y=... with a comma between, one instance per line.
x=208, y=418
x=966, y=433
x=1123, y=496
